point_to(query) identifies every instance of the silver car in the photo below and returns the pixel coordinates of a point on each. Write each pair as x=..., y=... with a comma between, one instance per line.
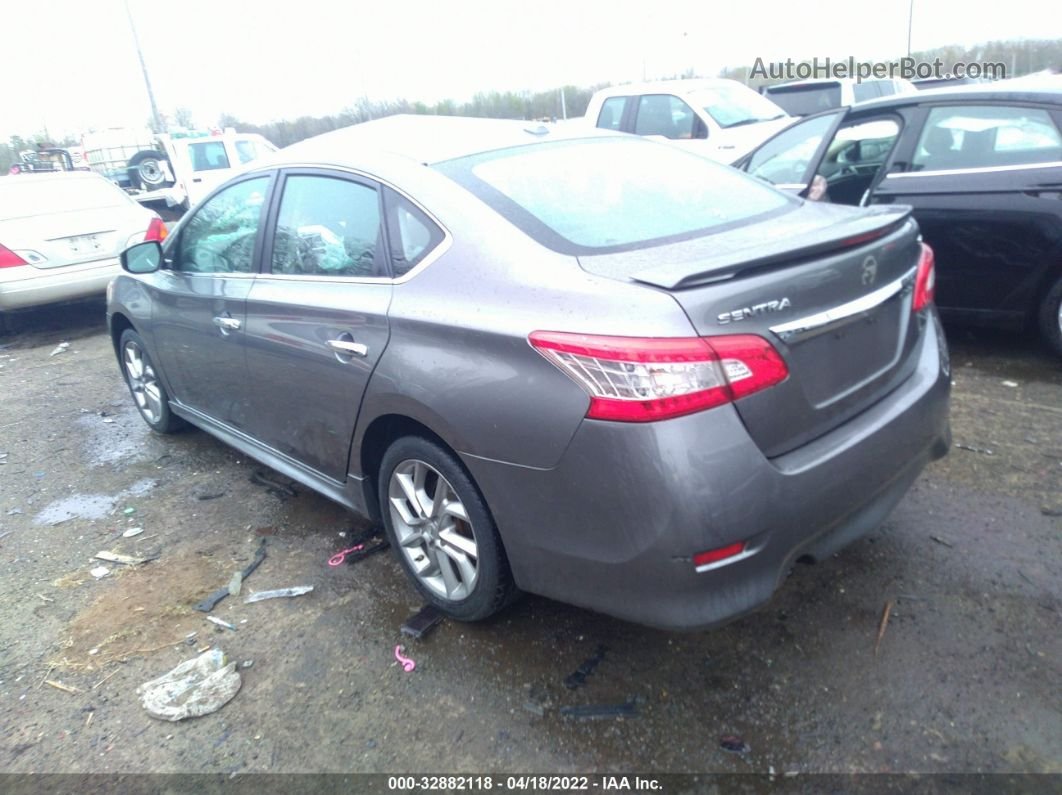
x=579, y=364
x=61, y=234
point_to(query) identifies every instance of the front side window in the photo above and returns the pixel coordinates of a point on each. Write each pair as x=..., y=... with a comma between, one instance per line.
x=611, y=113
x=221, y=235
x=208, y=155
x=411, y=233
x=971, y=136
x=328, y=226
x=663, y=114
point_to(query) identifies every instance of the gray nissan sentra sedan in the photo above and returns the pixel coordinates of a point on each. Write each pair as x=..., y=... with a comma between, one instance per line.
x=579, y=364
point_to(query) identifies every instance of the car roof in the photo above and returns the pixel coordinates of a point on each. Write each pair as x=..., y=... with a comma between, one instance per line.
x=984, y=92
x=427, y=139
x=684, y=86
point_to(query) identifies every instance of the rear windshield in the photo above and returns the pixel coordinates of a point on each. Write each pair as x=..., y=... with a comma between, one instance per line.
x=611, y=194
x=21, y=197
x=806, y=100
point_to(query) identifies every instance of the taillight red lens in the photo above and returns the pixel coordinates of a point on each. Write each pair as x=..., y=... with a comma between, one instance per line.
x=9, y=259
x=716, y=555
x=925, y=280
x=636, y=379
x=156, y=230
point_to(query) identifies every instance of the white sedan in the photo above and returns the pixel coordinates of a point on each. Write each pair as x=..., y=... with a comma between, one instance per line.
x=61, y=234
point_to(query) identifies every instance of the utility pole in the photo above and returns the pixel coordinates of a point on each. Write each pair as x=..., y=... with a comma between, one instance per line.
x=910, y=20
x=156, y=119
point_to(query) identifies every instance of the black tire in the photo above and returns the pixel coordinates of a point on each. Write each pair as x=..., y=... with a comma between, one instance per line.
x=1051, y=316
x=145, y=170
x=147, y=390
x=492, y=586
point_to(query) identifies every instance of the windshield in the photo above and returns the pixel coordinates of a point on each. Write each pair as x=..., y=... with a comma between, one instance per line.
x=735, y=105
x=24, y=196
x=804, y=100
x=586, y=196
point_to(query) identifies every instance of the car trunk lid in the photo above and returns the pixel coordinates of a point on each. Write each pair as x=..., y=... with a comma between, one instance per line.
x=70, y=238
x=829, y=287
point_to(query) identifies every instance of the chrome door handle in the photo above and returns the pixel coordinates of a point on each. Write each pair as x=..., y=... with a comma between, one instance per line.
x=349, y=347
x=227, y=324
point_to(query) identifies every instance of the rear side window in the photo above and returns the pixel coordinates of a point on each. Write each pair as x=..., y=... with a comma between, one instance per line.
x=593, y=196
x=328, y=226
x=412, y=235
x=611, y=113
x=971, y=136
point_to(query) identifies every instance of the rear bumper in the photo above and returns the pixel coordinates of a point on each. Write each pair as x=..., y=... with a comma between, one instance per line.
x=26, y=286
x=615, y=525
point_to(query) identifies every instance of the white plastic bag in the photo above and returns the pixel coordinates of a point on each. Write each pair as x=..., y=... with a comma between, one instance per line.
x=195, y=687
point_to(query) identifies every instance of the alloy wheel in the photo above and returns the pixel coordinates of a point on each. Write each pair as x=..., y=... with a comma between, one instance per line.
x=433, y=530
x=143, y=382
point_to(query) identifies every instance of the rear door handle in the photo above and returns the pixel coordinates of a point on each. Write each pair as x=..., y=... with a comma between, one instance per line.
x=349, y=347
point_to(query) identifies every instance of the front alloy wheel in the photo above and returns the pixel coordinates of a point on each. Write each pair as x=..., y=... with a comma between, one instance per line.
x=147, y=390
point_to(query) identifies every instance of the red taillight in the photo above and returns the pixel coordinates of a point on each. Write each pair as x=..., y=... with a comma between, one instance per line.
x=716, y=555
x=635, y=379
x=925, y=280
x=156, y=230
x=9, y=259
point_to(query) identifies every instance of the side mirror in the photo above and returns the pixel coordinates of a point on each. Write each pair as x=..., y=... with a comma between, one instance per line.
x=144, y=257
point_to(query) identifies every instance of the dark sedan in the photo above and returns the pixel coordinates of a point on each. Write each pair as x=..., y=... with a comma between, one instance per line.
x=982, y=168
x=581, y=364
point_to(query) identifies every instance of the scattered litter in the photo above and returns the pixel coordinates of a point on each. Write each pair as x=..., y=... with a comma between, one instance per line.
x=1011, y=384
x=943, y=542
x=279, y=593
x=213, y=496
x=407, y=664
x=732, y=743
x=210, y=602
x=340, y=556
x=882, y=625
x=221, y=623
x=247, y=664
x=132, y=531
x=973, y=449
x=14, y=512
x=628, y=709
x=126, y=560
x=236, y=584
x=129, y=511
x=99, y=571
x=108, y=420
x=49, y=599
x=534, y=709
x=196, y=687
x=422, y=622
x=275, y=487
x=1051, y=510
x=62, y=347
x=577, y=678
x=6, y=533
x=61, y=686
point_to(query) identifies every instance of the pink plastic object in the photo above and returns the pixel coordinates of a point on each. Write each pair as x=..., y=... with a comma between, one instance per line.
x=407, y=664
x=340, y=556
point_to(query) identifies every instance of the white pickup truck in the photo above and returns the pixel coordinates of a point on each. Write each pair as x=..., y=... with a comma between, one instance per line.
x=170, y=172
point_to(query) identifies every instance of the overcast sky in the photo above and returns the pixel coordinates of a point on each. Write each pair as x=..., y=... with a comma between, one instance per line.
x=70, y=65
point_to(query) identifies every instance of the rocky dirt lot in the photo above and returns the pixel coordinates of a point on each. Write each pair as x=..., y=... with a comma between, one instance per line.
x=965, y=676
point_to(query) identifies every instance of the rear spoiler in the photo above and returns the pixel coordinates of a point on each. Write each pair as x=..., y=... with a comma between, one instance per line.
x=792, y=238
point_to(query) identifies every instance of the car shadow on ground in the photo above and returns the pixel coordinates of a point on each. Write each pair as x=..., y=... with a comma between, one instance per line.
x=26, y=328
